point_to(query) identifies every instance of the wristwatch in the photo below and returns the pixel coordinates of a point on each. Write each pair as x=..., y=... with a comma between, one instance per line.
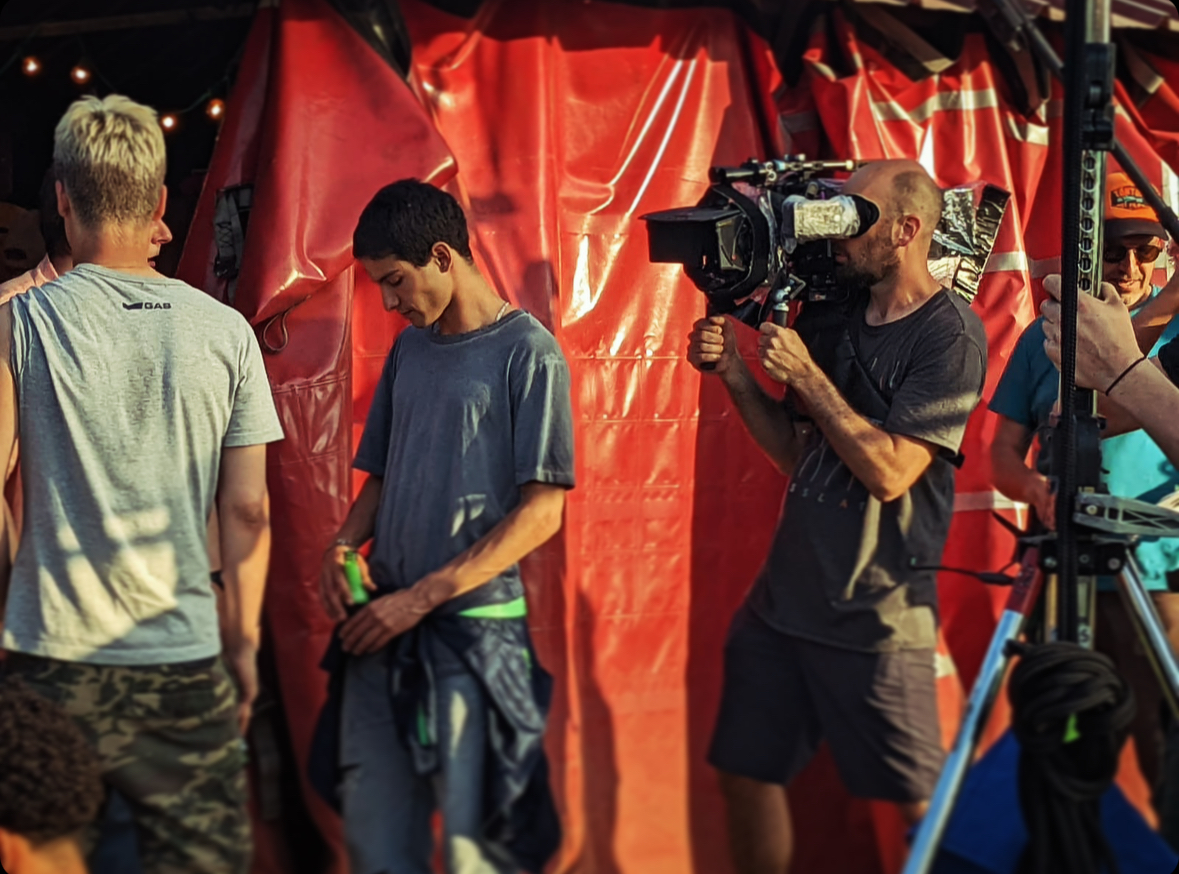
x=343, y=541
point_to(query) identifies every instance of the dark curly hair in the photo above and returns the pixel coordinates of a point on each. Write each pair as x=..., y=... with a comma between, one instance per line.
x=405, y=219
x=50, y=784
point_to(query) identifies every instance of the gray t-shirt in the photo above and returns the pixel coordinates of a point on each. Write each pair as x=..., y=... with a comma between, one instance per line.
x=844, y=567
x=128, y=390
x=458, y=423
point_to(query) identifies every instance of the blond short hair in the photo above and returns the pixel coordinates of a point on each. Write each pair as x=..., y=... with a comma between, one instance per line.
x=109, y=154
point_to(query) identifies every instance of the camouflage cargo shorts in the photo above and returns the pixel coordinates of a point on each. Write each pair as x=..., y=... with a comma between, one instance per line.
x=168, y=740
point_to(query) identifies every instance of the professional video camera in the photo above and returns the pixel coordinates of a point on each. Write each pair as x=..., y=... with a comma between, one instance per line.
x=770, y=224
x=762, y=224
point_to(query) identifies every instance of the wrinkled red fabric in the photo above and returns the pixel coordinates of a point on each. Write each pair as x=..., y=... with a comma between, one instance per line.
x=318, y=122
x=961, y=125
x=567, y=121
x=1157, y=113
x=607, y=117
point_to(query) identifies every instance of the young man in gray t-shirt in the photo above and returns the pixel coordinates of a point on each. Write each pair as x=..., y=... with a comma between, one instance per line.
x=469, y=451
x=138, y=401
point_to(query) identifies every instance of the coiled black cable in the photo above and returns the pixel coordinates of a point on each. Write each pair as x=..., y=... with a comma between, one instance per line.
x=1071, y=715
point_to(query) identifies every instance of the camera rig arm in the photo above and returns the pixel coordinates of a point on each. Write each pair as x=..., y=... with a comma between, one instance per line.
x=1075, y=457
x=755, y=172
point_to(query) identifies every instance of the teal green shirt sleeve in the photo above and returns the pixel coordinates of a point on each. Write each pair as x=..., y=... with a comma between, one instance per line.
x=1013, y=398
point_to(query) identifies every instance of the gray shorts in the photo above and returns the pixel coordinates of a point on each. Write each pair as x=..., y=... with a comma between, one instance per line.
x=783, y=695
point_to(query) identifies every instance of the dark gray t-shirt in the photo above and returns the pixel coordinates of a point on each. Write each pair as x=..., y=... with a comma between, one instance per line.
x=457, y=425
x=841, y=569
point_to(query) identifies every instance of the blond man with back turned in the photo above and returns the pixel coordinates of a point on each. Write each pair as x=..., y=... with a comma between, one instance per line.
x=138, y=401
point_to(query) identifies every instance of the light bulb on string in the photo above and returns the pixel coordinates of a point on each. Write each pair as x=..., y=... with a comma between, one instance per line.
x=215, y=109
x=81, y=74
x=31, y=66
x=169, y=122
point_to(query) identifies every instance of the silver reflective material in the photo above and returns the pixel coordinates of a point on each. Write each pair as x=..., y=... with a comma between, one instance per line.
x=963, y=240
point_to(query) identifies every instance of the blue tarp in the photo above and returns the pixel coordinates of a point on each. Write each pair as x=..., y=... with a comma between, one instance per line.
x=986, y=834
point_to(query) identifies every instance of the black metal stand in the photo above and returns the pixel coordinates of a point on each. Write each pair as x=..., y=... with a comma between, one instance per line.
x=1091, y=528
x=1099, y=515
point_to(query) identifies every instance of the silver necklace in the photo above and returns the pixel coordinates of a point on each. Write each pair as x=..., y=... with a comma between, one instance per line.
x=503, y=309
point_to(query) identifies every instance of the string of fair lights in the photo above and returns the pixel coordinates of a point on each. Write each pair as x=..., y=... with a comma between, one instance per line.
x=83, y=74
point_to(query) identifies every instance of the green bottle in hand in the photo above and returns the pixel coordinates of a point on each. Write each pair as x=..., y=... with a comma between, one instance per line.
x=355, y=583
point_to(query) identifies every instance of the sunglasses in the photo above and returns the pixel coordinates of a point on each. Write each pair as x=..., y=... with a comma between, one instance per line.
x=1146, y=253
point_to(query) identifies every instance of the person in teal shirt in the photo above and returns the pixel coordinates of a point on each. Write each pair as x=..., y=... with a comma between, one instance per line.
x=1133, y=464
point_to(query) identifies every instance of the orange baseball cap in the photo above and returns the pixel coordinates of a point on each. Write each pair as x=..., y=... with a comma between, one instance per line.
x=1127, y=213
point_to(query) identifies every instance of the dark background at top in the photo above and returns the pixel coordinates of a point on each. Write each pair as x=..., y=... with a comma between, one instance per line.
x=167, y=67
x=170, y=67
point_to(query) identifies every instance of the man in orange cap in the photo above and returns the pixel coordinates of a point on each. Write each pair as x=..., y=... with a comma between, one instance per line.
x=1134, y=239
x=1135, y=466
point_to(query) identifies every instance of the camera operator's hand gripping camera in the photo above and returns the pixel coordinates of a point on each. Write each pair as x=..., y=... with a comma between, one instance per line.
x=762, y=225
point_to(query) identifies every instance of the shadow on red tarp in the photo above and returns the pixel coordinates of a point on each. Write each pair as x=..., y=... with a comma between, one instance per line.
x=568, y=120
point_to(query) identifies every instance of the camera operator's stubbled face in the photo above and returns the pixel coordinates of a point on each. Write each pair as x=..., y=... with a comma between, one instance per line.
x=871, y=258
x=420, y=294
x=867, y=260
x=1127, y=264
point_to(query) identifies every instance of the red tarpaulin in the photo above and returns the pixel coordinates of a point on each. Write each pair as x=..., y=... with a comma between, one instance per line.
x=567, y=120
x=318, y=122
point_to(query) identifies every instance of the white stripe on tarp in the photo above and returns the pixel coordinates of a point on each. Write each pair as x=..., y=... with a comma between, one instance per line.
x=1141, y=71
x=1003, y=262
x=1026, y=131
x=1170, y=195
x=945, y=101
x=1041, y=267
x=1170, y=186
x=962, y=101
x=823, y=70
x=992, y=500
x=925, y=158
x=943, y=666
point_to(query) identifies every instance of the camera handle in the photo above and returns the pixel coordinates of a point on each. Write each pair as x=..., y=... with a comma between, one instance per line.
x=774, y=308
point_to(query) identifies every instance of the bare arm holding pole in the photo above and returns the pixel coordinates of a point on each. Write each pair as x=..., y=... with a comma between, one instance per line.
x=1108, y=355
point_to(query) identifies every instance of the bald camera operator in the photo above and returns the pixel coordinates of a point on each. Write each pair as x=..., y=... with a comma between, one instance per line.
x=836, y=639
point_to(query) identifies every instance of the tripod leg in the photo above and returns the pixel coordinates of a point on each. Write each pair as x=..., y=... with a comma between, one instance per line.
x=1150, y=629
x=978, y=709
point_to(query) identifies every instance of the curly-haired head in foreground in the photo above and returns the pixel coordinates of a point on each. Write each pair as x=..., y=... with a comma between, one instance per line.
x=50, y=786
